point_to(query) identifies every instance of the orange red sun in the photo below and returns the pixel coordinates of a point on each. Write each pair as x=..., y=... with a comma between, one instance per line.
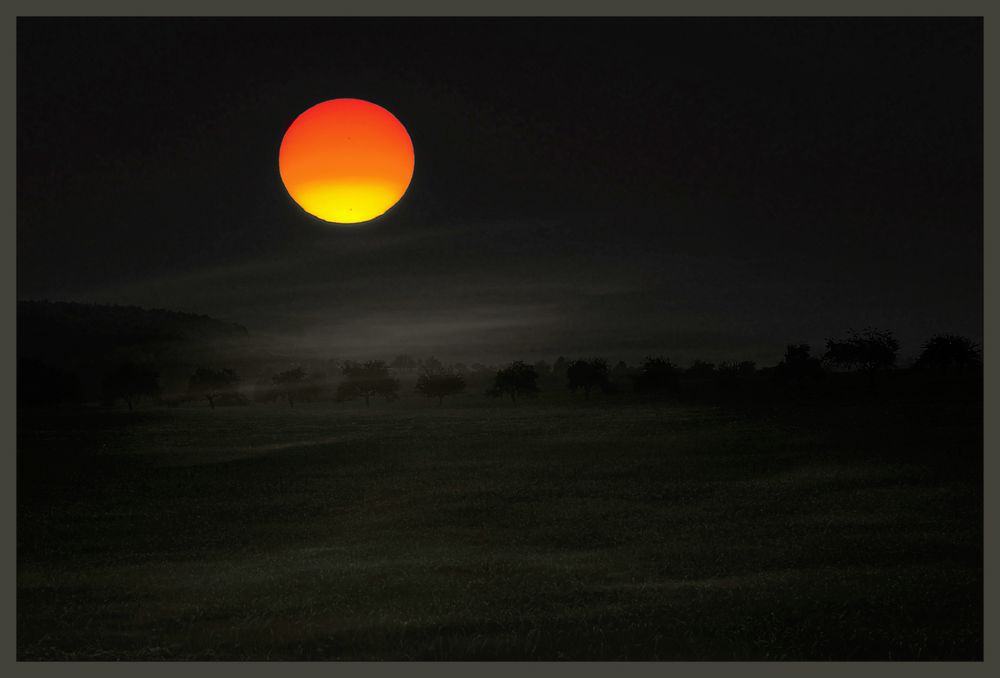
x=346, y=160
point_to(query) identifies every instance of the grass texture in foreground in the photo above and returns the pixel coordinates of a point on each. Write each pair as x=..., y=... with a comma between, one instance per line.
x=551, y=530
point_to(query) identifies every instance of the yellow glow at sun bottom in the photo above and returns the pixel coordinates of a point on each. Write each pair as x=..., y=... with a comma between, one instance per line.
x=347, y=203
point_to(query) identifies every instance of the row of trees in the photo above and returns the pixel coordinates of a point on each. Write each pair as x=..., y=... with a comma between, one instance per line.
x=869, y=351
x=872, y=351
x=656, y=375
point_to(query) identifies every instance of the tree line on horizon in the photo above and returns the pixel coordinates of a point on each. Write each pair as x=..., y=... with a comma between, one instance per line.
x=867, y=352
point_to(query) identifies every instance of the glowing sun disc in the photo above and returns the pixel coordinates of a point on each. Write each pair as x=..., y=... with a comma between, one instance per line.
x=346, y=160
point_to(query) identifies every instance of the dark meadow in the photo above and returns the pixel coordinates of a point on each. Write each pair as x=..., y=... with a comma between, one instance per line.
x=670, y=351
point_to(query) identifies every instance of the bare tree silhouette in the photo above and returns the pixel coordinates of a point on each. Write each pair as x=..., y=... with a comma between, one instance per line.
x=212, y=384
x=130, y=382
x=517, y=379
x=289, y=383
x=369, y=379
x=439, y=384
x=586, y=375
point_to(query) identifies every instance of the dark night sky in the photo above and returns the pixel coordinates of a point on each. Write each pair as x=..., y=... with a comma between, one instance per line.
x=687, y=187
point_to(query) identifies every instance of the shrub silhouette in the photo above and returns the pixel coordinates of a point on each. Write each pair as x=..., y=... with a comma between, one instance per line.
x=869, y=351
x=656, y=375
x=439, y=384
x=517, y=379
x=701, y=368
x=950, y=353
x=366, y=380
x=130, y=382
x=799, y=365
x=587, y=375
x=732, y=373
x=213, y=384
x=737, y=368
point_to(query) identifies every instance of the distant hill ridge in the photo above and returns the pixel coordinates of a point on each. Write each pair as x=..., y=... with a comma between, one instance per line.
x=61, y=327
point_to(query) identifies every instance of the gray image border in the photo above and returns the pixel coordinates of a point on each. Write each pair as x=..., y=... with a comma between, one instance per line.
x=526, y=8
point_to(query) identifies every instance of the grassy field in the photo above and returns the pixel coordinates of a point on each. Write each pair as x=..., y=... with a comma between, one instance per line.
x=555, y=529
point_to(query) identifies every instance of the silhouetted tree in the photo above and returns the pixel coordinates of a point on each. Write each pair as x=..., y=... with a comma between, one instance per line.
x=732, y=374
x=288, y=384
x=737, y=368
x=870, y=351
x=517, y=379
x=366, y=380
x=798, y=365
x=212, y=384
x=130, y=382
x=439, y=384
x=588, y=375
x=700, y=368
x=950, y=353
x=543, y=368
x=657, y=375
